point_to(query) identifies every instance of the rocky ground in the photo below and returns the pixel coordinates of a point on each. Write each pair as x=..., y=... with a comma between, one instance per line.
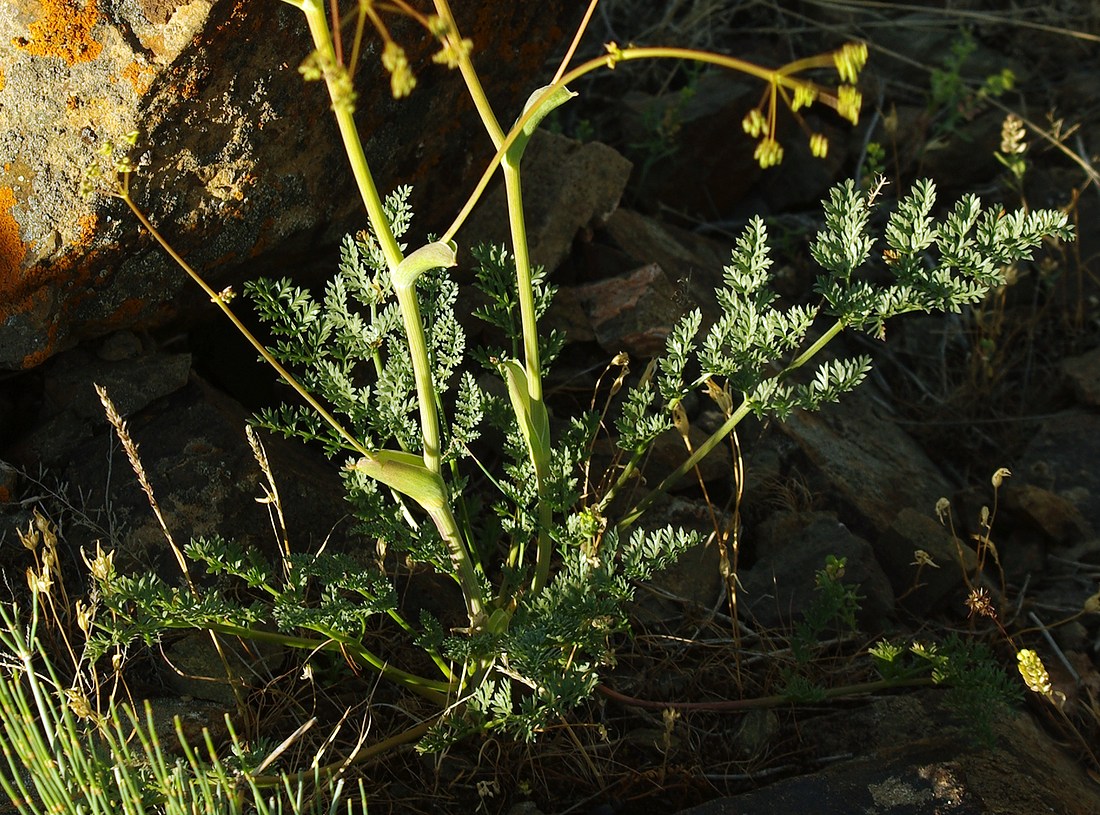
x=634, y=202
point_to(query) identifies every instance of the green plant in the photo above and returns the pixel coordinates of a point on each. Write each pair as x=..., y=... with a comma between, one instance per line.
x=61, y=755
x=978, y=689
x=953, y=97
x=543, y=572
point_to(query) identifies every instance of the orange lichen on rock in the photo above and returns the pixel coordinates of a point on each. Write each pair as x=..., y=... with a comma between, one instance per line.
x=65, y=31
x=12, y=248
x=140, y=76
x=2, y=80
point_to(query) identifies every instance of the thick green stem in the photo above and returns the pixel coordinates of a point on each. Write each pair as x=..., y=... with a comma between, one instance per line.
x=532, y=362
x=463, y=563
x=525, y=289
x=422, y=374
x=314, y=11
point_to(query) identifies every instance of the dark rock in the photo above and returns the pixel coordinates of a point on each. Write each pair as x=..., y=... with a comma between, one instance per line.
x=206, y=481
x=72, y=413
x=693, y=262
x=922, y=589
x=1084, y=372
x=243, y=163
x=1061, y=458
x=695, y=578
x=9, y=483
x=914, y=759
x=791, y=548
x=704, y=123
x=1054, y=516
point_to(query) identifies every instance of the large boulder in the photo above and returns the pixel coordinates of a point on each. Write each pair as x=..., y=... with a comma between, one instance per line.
x=240, y=164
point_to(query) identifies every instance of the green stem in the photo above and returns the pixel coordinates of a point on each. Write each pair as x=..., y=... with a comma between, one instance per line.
x=463, y=563
x=422, y=374
x=532, y=362
x=428, y=688
x=524, y=287
x=314, y=11
x=317, y=20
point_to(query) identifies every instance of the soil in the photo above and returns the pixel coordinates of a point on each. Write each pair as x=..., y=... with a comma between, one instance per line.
x=1006, y=384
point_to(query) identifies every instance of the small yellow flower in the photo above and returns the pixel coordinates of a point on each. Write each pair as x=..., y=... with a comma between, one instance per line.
x=1033, y=671
x=451, y=54
x=754, y=123
x=614, y=54
x=999, y=477
x=39, y=582
x=804, y=96
x=84, y=616
x=769, y=153
x=819, y=145
x=849, y=60
x=848, y=103
x=102, y=566
x=394, y=60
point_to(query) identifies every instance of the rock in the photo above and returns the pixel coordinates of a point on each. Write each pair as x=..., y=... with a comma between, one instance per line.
x=1084, y=373
x=871, y=465
x=72, y=413
x=567, y=187
x=240, y=161
x=693, y=262
x=9, y=483
x=206, y=482
x=703, y=122
x=695, y=578
x=1055, y=516
x=925, y=588
x=633, y=312
x=791, y=548
x=912, y=759
x=1061, y=458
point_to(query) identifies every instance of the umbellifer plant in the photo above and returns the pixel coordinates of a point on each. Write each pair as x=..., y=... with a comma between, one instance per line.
x=380, y=361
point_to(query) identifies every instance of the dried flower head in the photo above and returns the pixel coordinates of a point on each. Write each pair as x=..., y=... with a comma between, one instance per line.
x=979, y=602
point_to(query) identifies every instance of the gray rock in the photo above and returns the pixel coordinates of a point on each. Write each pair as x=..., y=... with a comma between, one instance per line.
x=1061, y=458
x=871, y=464
x=912, y=759
x=72, y=413
x=567, y=187
x=922, y=588
x=1084, y=373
